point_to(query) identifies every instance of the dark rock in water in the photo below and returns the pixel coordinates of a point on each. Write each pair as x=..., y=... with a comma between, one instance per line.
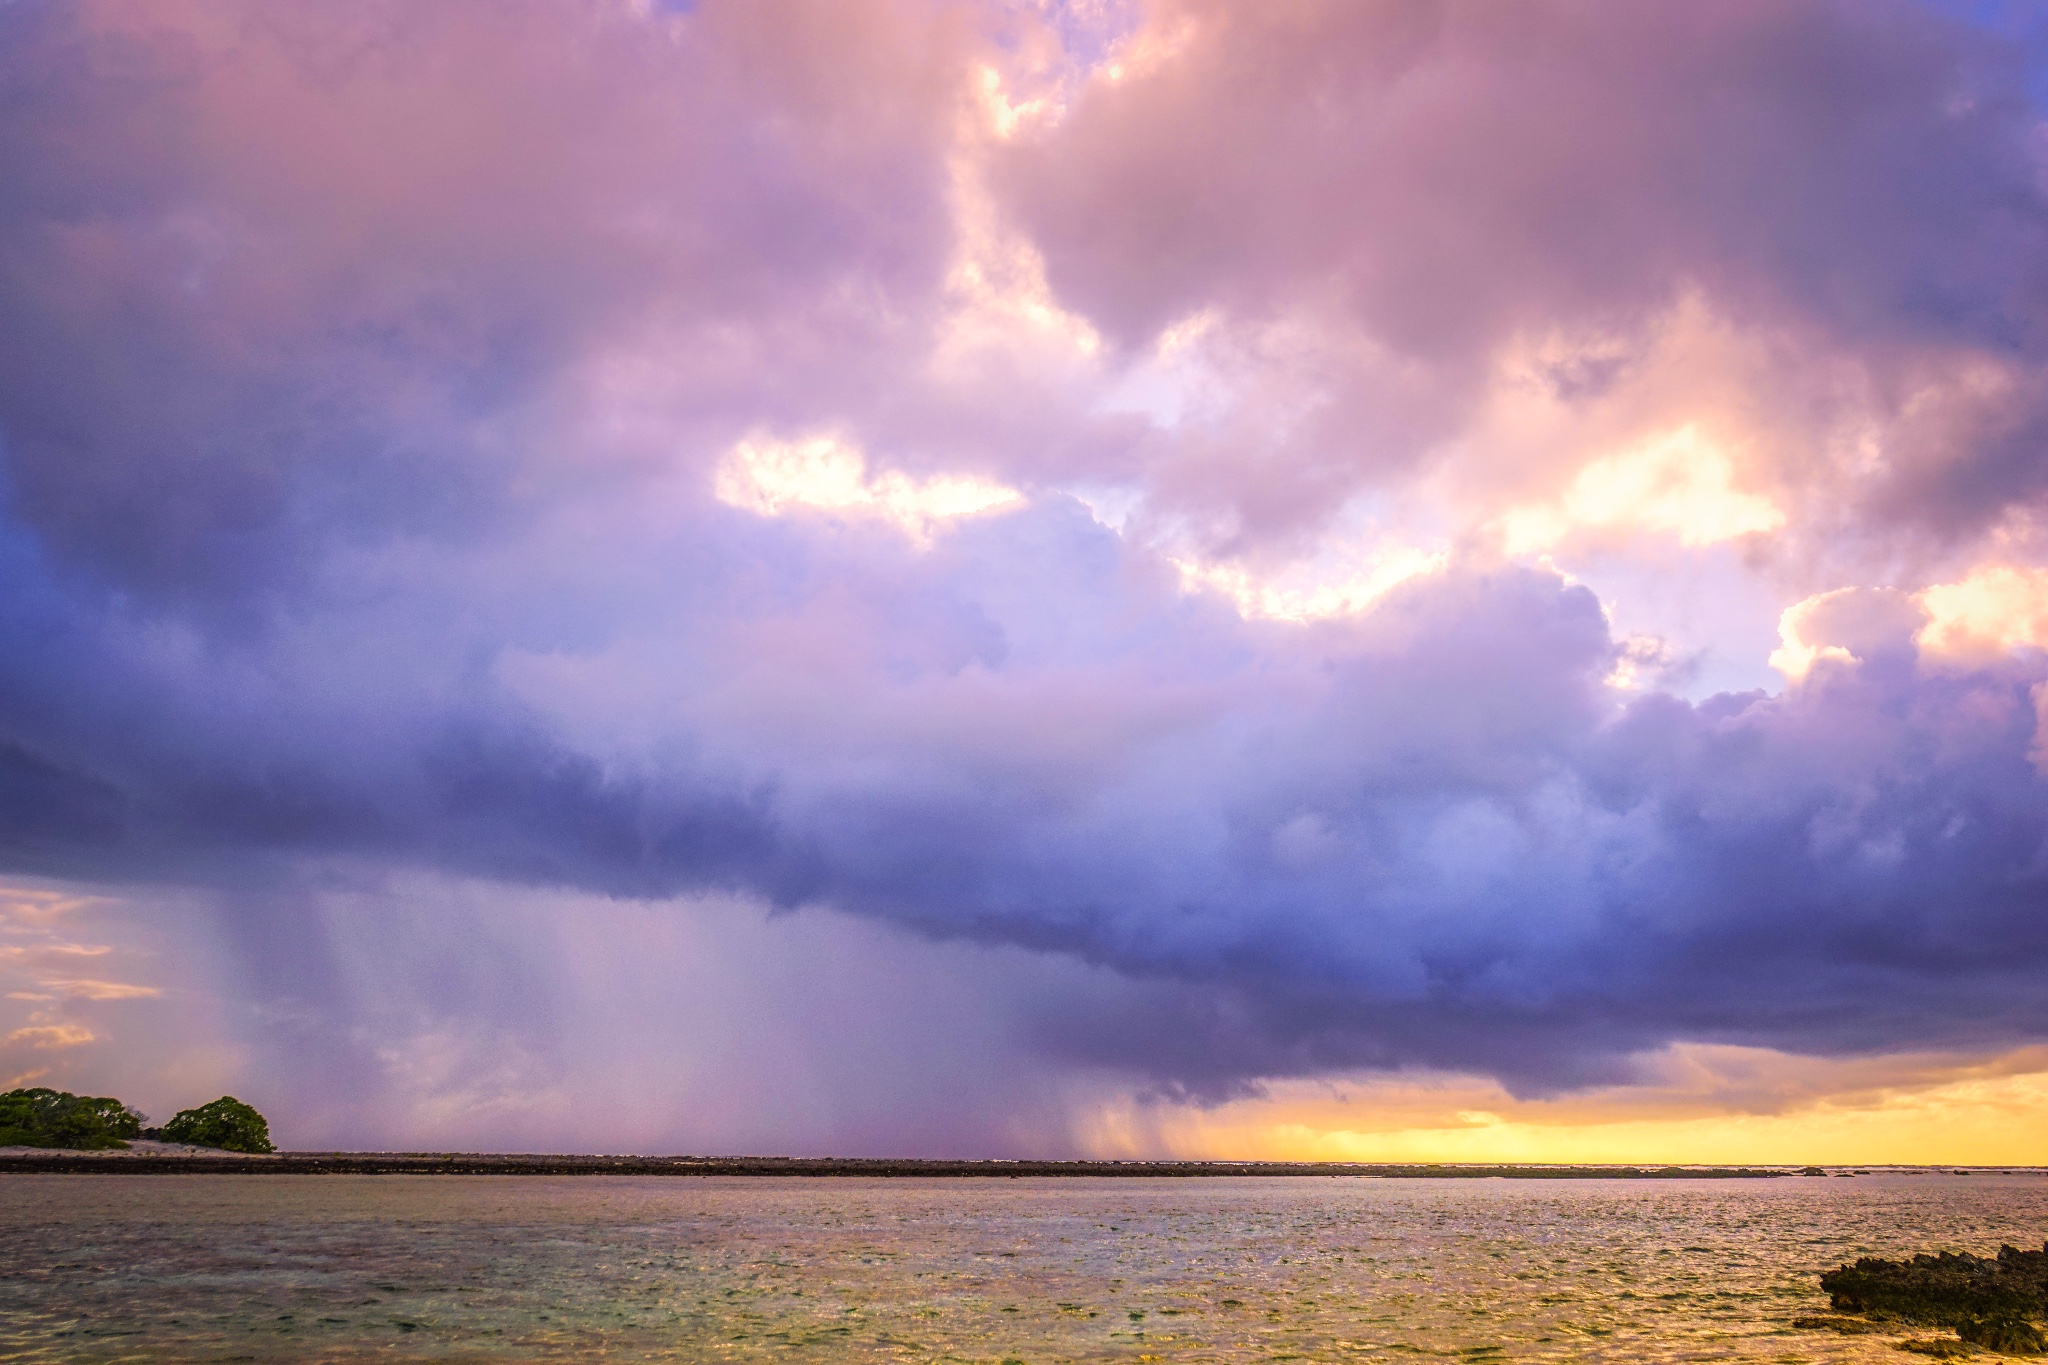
x=2011, y=1336
x=1945, y=1290
x=1991, y=1303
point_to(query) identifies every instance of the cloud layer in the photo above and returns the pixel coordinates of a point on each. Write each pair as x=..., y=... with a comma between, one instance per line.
x=1272, y=518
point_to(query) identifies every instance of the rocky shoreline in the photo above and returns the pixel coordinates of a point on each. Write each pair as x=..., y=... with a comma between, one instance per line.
x=137, y=1149
x=1991, y=1303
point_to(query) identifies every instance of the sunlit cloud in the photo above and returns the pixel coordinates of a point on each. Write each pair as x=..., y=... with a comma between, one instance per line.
x=1002, y=321
x=773, y=478
x=1147, y=50
x=101, y=990
x=1796, y=655
x=1640, y=662
x=1989, y=612
x=1680, y=484
x=51, y=1036
x=31, y=909
x=1845, y=625
x=1003, y=115
x=41, y=963
x=1994, y=609
x=1313, y=592
x=15, y=952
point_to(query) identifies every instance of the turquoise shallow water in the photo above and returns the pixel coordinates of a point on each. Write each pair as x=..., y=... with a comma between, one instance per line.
x=346, y=1268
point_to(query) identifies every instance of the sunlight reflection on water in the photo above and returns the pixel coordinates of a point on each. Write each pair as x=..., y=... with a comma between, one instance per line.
x=341, y=1268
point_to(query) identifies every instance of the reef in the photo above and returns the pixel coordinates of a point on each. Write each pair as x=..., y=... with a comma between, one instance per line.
x=1990, y=1302
x=228, y=1162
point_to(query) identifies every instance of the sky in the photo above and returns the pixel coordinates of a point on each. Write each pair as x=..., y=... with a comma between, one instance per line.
x=1359, y=579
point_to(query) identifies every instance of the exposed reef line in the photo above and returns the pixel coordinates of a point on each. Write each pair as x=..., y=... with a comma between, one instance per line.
x=474, y=1163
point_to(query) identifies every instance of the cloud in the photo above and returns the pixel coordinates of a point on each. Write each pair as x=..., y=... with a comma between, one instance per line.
x=1995, y=608
x=774, y=477
x=1415, y=192
x=1678, y=484
x=1846, y=626
x=50, y=1036
x=1171, y=518
x=329, y=264
x=101, y=990
x=52, y=1009
x=1429, y=833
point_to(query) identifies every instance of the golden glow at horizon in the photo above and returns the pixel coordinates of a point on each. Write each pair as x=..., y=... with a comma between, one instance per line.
x=1883, y=1110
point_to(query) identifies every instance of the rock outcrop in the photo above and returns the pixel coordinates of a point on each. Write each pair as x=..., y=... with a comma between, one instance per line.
x=1995, y=1303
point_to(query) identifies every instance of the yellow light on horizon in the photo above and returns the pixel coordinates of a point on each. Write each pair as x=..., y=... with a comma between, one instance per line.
x=1960, y=1112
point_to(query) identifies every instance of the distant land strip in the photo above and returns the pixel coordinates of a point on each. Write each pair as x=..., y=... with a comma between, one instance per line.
x=471, y=1163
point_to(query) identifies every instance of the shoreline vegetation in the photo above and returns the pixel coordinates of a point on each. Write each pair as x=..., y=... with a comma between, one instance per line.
x=152, y=1160
x=40, y=1119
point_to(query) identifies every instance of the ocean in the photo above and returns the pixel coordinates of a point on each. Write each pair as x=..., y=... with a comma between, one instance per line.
x=508, y=1268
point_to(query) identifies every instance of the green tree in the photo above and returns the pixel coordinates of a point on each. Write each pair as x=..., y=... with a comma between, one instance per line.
x=227, y=1123
x=41, y=1117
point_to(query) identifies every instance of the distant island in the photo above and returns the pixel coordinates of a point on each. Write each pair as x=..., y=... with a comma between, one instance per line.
x=58, y=1120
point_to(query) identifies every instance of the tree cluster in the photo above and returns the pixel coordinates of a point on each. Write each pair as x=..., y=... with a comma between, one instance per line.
x=41, y=1117
x=227, y=1123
